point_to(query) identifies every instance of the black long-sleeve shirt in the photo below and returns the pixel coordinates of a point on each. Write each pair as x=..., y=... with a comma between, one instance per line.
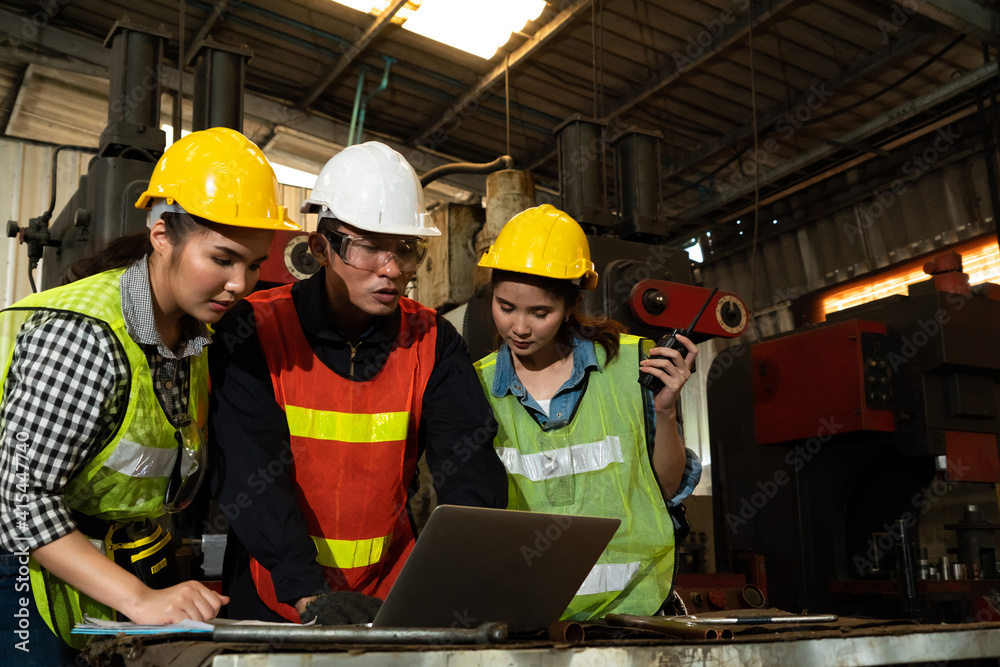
x=251, y=455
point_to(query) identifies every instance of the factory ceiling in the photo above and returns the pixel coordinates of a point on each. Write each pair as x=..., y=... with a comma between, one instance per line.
x=834, y=83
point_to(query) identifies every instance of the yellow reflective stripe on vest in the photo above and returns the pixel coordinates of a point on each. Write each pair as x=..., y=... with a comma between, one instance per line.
x=609, y=577
x=562, y=462
x=346, y=426
x=135, y=460
x=350, y=553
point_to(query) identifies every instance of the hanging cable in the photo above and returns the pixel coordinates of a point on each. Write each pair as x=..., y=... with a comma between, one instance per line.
x=600, y=58
x=178, y=111
x=895, y=84
x=506, y=94
x=756, y=180
x=937, y=56
x=593, y=49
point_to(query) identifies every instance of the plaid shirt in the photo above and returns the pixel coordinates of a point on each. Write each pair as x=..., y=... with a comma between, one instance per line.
x=64, y=399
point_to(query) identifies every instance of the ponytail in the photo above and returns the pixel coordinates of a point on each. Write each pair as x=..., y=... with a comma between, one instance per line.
x=125, y=251
x=116, y=254
x=602, y=330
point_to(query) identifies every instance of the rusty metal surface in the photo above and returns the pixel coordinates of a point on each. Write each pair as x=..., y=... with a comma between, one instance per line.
x=850, y=650
x=848, y=642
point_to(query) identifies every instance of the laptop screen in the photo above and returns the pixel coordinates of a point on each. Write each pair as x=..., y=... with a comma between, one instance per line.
x=473, y=565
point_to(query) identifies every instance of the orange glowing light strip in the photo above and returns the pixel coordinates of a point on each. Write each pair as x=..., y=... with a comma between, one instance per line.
x=980, y=259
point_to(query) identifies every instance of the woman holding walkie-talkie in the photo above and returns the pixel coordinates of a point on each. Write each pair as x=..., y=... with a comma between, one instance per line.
x=578, y=435
x=105, y=394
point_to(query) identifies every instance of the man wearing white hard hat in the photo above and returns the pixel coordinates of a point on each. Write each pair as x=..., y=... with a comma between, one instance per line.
x=325, y=394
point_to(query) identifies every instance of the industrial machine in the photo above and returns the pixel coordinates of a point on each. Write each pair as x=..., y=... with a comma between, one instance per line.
x=102, y=208
x=852, y=456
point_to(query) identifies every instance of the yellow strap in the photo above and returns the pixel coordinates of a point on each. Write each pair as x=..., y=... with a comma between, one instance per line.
x=110, y=547
x=153, y=549
x=346, y=426
x=350, y=553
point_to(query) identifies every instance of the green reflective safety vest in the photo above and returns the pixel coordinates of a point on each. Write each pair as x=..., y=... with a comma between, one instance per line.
x=596, y=465
x=127, y=479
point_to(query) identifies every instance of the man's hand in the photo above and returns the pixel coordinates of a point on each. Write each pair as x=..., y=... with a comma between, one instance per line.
x=340, y=608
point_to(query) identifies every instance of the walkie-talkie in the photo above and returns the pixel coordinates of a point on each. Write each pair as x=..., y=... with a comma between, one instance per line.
x=655, y=384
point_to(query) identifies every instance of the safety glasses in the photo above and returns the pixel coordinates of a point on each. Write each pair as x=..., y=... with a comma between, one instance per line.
x=371, y=253
x=189, y=465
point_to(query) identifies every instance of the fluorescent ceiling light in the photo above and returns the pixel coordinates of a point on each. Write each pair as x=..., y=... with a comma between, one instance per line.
x=479, y=27
x=292, y=176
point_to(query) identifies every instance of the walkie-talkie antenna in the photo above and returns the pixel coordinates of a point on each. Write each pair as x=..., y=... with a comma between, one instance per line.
x=653, y=383
x=698, y=316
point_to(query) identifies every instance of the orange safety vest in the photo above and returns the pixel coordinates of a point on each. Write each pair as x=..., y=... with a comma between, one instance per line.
x=354, y=446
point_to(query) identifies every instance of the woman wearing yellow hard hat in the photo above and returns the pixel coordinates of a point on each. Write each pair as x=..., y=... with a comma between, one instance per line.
x=105, y=391
x=578, y=434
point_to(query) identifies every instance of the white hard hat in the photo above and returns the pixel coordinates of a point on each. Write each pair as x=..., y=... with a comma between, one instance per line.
x=371, y=187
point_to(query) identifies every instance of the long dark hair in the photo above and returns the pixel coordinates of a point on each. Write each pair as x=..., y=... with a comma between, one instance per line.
x=601, y=330
x=124, y=251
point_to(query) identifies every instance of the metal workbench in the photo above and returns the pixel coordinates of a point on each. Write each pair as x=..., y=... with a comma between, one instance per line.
x=854, y=642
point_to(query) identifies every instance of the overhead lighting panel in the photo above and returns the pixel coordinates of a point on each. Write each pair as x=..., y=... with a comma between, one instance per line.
x=479, y=27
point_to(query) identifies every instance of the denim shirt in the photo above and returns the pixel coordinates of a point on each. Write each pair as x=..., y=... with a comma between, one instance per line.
x=567, y=398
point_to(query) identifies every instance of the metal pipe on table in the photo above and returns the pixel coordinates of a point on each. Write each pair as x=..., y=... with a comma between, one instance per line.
x=487, y=633
x=570, y=632
x=760, y=620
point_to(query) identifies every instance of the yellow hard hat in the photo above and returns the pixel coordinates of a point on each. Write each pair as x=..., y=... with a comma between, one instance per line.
x=221, y=176
x=543, y=241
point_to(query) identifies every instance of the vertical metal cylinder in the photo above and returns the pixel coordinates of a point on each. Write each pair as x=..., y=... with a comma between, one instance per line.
x=581, y=147
x=638, y=174
x=219, y=80
x=508, y=192
x=134, y=93
x=907, y=572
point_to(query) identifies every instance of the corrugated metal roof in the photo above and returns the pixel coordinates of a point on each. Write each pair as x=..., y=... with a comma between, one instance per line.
x=816, y=72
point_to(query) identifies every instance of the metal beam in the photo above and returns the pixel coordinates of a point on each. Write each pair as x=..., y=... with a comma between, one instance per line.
x=829, y=173
x=23, y=56
x=214, y=14
x=963, y=15
x=356, y=49
x=683, y=63
x=686, y=61
x=60, y=41
x=7, y=105
x=850, y=76
x=525, y=51
x=951, y=89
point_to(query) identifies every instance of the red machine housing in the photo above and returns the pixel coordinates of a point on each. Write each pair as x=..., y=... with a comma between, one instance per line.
x=821, y=383
x=288, y=259
x=678, y=304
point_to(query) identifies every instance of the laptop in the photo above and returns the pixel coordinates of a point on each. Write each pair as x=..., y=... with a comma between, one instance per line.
x=472, y=565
